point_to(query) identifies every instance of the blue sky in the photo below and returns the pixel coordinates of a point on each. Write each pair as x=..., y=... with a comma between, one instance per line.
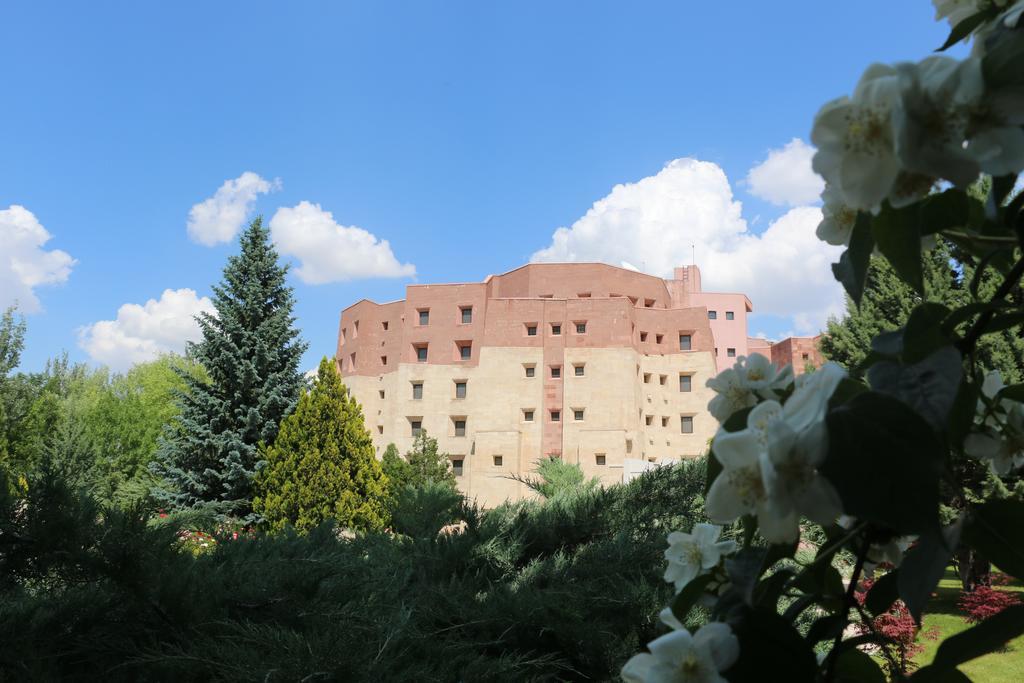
x=463, y=133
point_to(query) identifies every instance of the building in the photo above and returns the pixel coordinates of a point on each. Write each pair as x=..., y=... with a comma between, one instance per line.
x=598, y=365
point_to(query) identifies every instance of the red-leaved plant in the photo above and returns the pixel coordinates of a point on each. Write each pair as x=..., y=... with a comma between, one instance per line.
x=984, y=602
x=899, y=628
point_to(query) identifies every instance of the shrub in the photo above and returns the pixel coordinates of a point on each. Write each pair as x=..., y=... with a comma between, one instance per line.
x=984, y=602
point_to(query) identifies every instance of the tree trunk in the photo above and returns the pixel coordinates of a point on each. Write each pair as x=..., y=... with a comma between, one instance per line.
x=973, y=569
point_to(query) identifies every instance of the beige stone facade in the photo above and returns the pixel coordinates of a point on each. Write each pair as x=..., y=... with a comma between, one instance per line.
x=587, y=362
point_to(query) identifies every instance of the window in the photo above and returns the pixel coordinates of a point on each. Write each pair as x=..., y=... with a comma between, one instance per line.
x=421, y=353
x=384, y=325
x=581, y=328
x=577, y=414
x=648, y=303
x=662, y=380
x=647, y=378
x=381, y=393
x=343, y=332
x=685, y=383
x=352, y=362
x=417, y=427
x=467, y=314
x=684, y=342
x=658, y=338
x=383, y=360
x=417, y=390
x=460, y=389
x=600, y=459
x=577, y=370
x=527, y=416
x=712, y=315
x=457, y=467
x=465, y=351
x=380, y=429
x=556, y=329
x=531, y=330
x=497, y=460
x=729, y=315
x=460, y=427
x=648, y=420
x=643, y=336
x=425, y=316
x=556, y=371
x=730, y=352
x=807, y=356
x=556, y=415
x=530, y=371
x=629, y=445
x=355, y=329
x=583, y=295
x=664, y=421
x=547, y=296
x=687, y=424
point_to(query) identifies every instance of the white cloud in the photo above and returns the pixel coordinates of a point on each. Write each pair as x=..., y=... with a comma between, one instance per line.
x=329, y=252
x=785, y=270
x=219, y=218
x=786, y=177
x=141, y=333
x=24, y=264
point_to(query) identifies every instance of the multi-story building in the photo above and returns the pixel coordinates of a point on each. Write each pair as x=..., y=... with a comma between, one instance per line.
x=598, y=365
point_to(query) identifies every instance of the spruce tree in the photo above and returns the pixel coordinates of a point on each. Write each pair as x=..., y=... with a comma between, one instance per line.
x=250, y=351
x=322, y=465
x=427, y=464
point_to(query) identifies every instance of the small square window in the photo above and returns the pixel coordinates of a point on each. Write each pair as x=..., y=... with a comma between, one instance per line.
x=457, y=467
x=685, y=383
x=497, y=460
x=465, y=351
x=806, y=356
x=556, y=415
x=380, y=429
x=530, y=371
x=578, y=370
x=527, y=416
x=687, y=424
x=381, y=393
x=731, y=353
x=556, y=371
x=460, y=390
x=384, y=325
x=664, y=421
x=467, y=315
x=531, y=330
x=729, y=315
x=712, y=315
x=417, y=427
x=648, y=420
x=425, y=317
x=417, y=390
x=648, y=303
x=581, y=328
x=577, y=414
x=647, y=378
x=421, y=354
x=643, y=336
x=685, y=342
x=658, y=338
x=556, y=330
x=662, y=380
x=600, y=459
x=460, y=427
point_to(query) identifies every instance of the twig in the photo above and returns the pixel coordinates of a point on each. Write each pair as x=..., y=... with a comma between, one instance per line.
x=966, y=345
x=850, y=601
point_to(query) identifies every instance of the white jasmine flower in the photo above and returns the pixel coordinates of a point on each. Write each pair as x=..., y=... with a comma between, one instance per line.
x=854, y=139
x=678, y=657
x=759, y=373
x=732, y=394
x=891, y=552
x=1003, y=454
x=955, y=11
x=740, y=386
x=809, y=401
x=690, y=555
x=838, y=219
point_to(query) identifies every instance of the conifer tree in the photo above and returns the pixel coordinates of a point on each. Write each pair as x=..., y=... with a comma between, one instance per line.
x=322, y=465
x=250, y=351
x=427, y=464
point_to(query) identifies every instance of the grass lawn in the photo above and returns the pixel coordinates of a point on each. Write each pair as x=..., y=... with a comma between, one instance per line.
x=942, y=613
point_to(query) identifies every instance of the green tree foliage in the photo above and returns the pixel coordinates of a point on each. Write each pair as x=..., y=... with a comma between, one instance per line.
x=322, y=465
x=12, y=341
x=251, y=353
x=556, y=476
x=427, y=464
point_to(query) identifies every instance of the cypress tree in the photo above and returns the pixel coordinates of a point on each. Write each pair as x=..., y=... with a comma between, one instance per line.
x=322, y=465
x=250, y=350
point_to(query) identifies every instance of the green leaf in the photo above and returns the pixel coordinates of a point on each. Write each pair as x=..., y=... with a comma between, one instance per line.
x=771, y=647
x=1013, y=392
x=852, y=269
x=988, y=636
x=897, y=236
x=929, y=387
x=1003, y=64
x=923, y=334
x=961, y=415
x=964, y=29
x=1004, y=322
x=714, y=469
x=688, y=597
x=779, y=551
x=923, y=567
x=770, y=589
x=950, y=209
x=826, y=628
x=847, y=389
x=996, y=530
x=855, y=666
x=885, y=462
x=883, y=593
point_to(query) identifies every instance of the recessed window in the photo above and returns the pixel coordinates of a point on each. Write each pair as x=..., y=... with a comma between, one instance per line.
x=417, y=390
x=643, y=336
x=355, y=329
x=584, y=295
x=425, y=316
x=467, y=314
x=581, y=328
x=460, y=427
x=343, y=335
x=662, y=380
x=465, y=351
x=807, y=356
x=421, y=353
x=384, y=325
x=577, y=414
x=647, y=378
x=383, y=360
x=730, y=352
x=381, y=393
x=600, y=459
x=729, y=315
x=685, y=382
x=531, y=330
x=460, y=389
x=712, y=315
x=530, y=370
x=417, y=427
x=686, y=422
x=352, y=362
x=556, y=415
x=648, y=420
x=629, y=445
x=380, y=429
x=658, y=338
x=648, y=303
x=556, y=371
x=527, y=416
x=457, y=467
x=556, y=330
x=664, y=421
x=577, y=370
x=547, y=296
x=685, y=342
x=497, y=460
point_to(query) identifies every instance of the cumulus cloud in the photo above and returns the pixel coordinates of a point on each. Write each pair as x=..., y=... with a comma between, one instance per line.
x=654, y=221
x=329, y=252
x=141, y=333
x=24, y=264
x=219, y=218
x=786, y=177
